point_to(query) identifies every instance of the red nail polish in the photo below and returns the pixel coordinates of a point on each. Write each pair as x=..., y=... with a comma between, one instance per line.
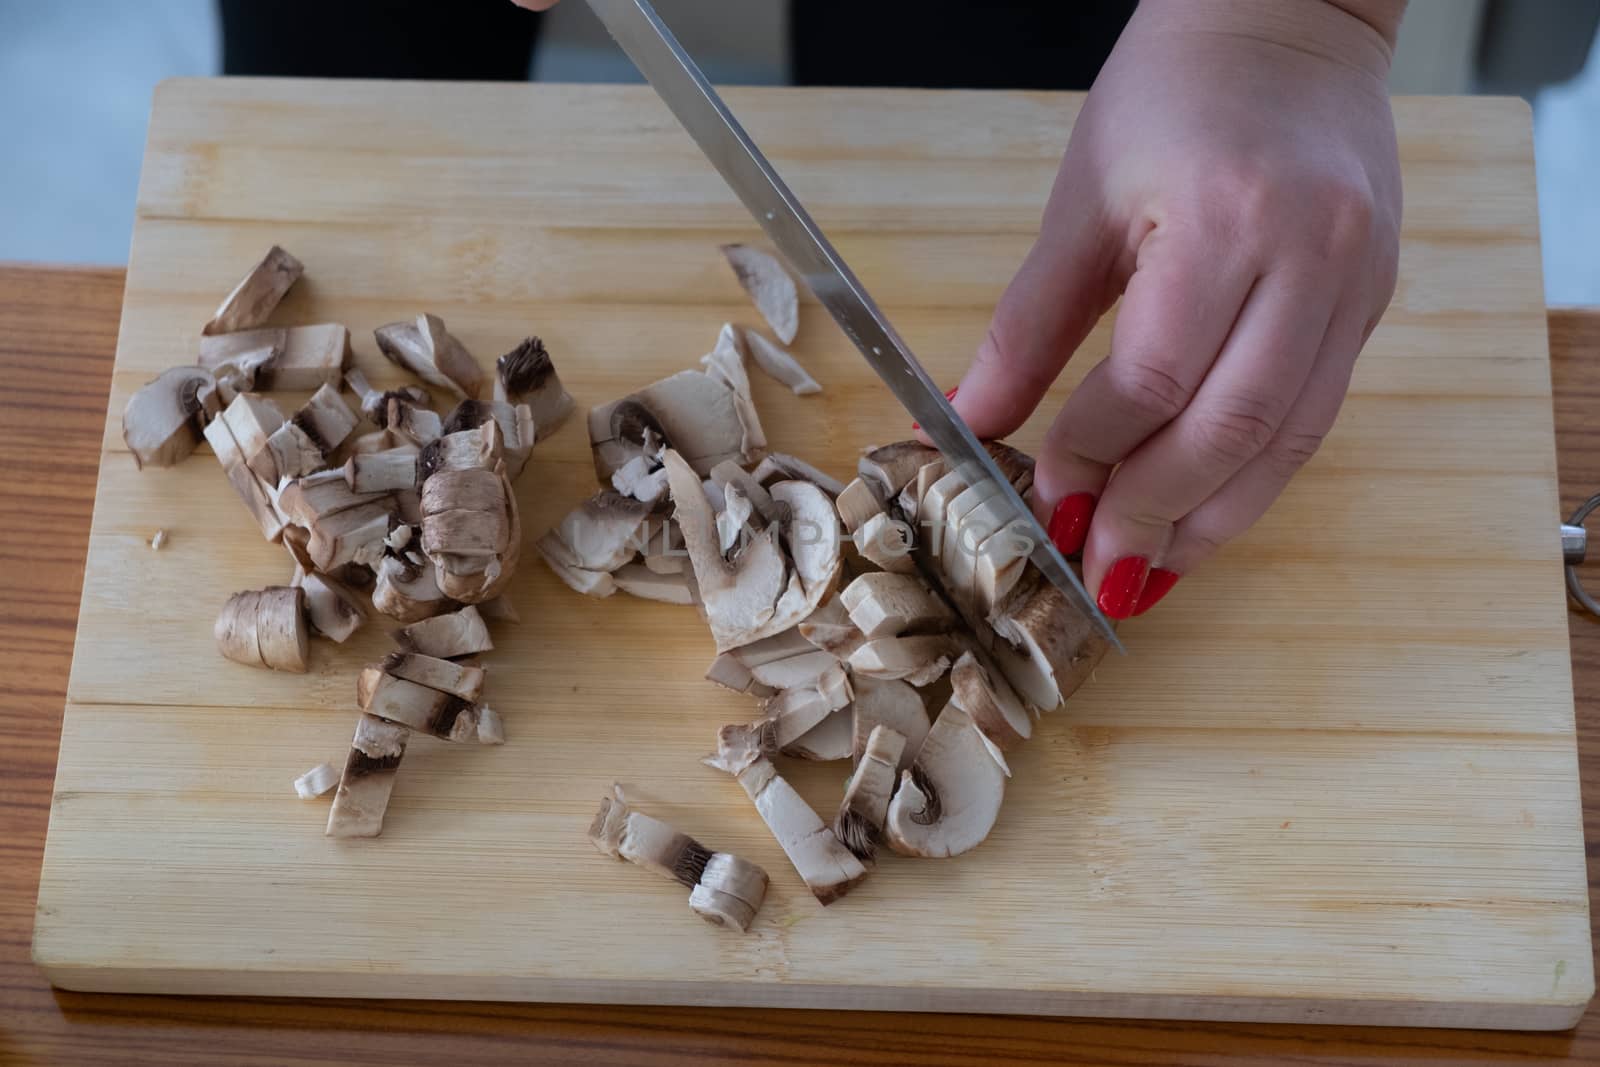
x=949, y=395
x=1158, y=585
x=1069, y=522
x=1120, y=588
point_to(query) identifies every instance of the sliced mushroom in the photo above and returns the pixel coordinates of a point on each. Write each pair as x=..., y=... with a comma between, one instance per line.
x=601, y=534
x=165, y=419
x=638, y=580
x=582, y=580
x=408, y=591
x=724, y=889
x=417, y=706
x=932, y=510
x=795, y=671
x=780, y=466
x=729, y=474
x=733, y=521
x=725, y=363
x=697, y=415
x=258, y=293
x=321, y=779
x=771, y=288
x=641, y=478
x=910, y=498
x=950, y=798
x=888, y=468
x=1001, y=562
x=995, y=708
x=313, y=356
x=740, y=595
x=829, y=629
x=865, y=808
x=963, y=534
x=326, y=419
x=265, y=628
x=256, y=497
x=887, y=543
x=290, y=453
x=526, y=375
x=828, y=868
x=354, y=535
x=236, y=360
x=425, y=348
x=410, y=421
x=464, y=680
x=515, y=423
x=890, y=703
x=856, y=505
x=333, y=609
x=1060, y=645
x=252, y=419
x=884, y=604
x=778, y=364
x=728, y=672
x=312, y=497
x=460, y=633
x=476, y=449
x=918, y=659
x=827, y=741
x=368, y=779
x=382, y=472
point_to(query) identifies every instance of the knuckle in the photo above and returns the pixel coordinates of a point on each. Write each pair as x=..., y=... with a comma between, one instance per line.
x=1150, y=393
x=1235, y=431
x=1290, y=450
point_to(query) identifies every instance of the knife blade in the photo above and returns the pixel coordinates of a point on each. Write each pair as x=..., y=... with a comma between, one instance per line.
x=678, y=80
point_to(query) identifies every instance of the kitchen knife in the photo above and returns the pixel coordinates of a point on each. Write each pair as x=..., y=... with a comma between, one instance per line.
x=678, y=80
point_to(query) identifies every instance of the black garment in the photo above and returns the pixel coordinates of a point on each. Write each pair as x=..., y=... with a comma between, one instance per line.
x=467, y=40
x=976, y=44
x=954, y=44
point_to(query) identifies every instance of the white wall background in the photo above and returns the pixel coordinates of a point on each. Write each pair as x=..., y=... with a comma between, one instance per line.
x=76, y=76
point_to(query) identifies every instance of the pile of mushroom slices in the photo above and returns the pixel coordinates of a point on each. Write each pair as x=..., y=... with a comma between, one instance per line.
x=845, y=637
x=414, y=518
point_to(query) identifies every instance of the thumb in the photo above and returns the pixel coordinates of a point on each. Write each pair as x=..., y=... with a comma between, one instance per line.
x=1065, y=284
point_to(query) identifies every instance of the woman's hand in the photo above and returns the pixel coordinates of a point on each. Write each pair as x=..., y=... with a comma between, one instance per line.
x=1233, y=177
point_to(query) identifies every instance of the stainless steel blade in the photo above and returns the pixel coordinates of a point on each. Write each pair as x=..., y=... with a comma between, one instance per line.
x=677, y=79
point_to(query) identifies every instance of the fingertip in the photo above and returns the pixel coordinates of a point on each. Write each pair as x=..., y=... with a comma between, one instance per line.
x=1156, y=586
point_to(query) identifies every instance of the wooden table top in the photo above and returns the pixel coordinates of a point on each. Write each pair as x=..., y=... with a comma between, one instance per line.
x=58, y=331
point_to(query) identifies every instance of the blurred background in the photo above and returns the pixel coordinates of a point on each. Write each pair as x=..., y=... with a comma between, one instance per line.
x=76, y=78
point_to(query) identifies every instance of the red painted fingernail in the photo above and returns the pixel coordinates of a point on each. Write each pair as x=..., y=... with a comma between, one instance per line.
x=949, y=395
x=1069, y=522
x=1120, y=588
x=1158, y=585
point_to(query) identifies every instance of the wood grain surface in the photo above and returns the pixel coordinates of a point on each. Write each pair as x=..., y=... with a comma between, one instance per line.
x=1334, y=782
x=57, y=336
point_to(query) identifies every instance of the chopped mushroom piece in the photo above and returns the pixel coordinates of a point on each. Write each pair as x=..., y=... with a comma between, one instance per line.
x=828, y=740
x=780, y=466
x=257, y=294
x=165, y=419
x=728, y=672
x=771, y=288
x=724, y=889
x=641, y=478
x=408, y=591
x=411, y=421
x=237, y=359
x=313, y=356
x=257, y=499
x=856, y=505
x=890, y=467
x=890, y=703
x=432, y=353
x=312, y=497
x=332, y=608
x=417, y=706
x=601, y=534
x=460, y=633
x=1058, y=645
x=779, y=364
x=464, y=680
x=699, y=416
x=321, y=779
x=828, y=868
x=368, y=778
x=158, y=541
x=638, y=580
x=995, y=708
x=948, y=801
x=794, y=713
x=515, y=423
x=264, y=628
x=918, y=659
x=354, y=535
x=796, y=671
x=382, y=472
x=252, y=419
x=886, y=542
x=729, y=475
x=865, y=808
x=725, y=363
x=526, y=375
x=884, y=604
x=580, y=579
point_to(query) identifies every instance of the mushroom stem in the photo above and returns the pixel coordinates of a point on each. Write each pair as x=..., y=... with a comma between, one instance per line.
x=725, y=890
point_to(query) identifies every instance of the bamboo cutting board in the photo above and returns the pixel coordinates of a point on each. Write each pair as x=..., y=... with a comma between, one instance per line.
x=1335, y=781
